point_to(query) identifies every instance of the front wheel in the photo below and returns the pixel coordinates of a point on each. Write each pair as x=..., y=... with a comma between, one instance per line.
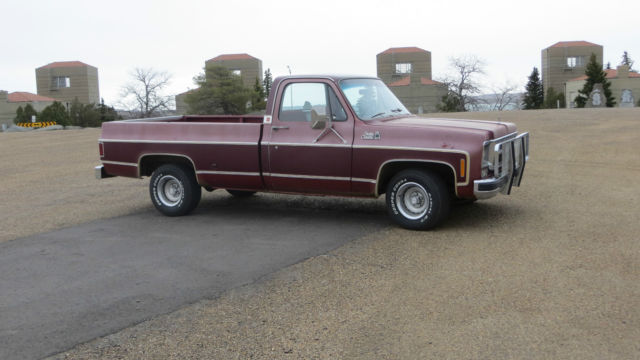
x=174, y=190
x=417, y=200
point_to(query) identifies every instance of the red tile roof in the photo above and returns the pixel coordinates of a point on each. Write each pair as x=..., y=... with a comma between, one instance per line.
x=611, y=74
x=59, y=64
x=402, y=82
x=232, y=57
x=407, y=80
x=425, y=81
x=397, y=50
x=573, y=43
x=27, y=97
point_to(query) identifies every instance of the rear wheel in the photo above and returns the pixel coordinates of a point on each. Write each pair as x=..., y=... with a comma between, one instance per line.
x=174, y=190
x=241, y=193
x=417, y=199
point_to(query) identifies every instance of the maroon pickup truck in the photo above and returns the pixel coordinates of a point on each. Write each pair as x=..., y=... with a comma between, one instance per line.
x=321, y=135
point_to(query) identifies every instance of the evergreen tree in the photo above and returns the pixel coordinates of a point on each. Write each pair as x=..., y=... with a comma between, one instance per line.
x=554, y=99
x=258, y=97
x=220, y=92
x=55, y=112
x=534, y=96
x=450, y=103
x=266, y=83
x=84, y=115
x=19, y=116
x=626, y=60
x=27, y=113
x=595, y=75
x=107, y=113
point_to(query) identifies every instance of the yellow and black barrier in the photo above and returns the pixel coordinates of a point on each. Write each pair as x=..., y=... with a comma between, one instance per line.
x=38, y=124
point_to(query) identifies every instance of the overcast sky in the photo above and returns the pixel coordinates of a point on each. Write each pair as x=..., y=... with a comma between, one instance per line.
x=310, y=36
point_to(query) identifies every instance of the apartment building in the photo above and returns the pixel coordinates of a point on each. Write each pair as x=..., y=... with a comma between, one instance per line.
x=407, y=72
x=566, y=60
x=68, y=80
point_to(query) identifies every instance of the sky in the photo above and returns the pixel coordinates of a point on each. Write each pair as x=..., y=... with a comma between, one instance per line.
x=310, y=37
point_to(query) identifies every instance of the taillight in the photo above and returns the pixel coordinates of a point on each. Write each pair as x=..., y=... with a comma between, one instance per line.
x=101, y=149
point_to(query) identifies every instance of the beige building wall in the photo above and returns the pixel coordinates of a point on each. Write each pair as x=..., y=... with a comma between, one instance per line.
x=81, y=82
x=181, y=104
x=621, y=79
x=419, y=59
x=566, y=60
x=419, y=98
x=250, y=68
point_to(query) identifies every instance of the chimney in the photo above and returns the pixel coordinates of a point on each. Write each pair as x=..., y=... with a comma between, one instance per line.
x=623, y=71
x=4, y=96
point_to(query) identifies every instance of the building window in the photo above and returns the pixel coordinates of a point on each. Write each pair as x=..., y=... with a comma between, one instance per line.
x=236, y=72
x=59, y=82
x=403, y=68
x=575, y=61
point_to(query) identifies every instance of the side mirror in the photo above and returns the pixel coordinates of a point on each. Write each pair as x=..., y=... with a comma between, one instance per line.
x=318, y=124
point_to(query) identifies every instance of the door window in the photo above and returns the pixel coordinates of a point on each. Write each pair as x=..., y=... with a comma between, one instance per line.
x=310, y=101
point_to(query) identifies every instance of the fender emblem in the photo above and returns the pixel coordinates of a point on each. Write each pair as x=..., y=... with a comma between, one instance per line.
x=370, y=136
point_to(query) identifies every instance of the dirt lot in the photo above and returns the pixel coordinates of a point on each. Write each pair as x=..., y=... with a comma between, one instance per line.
x=550, y=272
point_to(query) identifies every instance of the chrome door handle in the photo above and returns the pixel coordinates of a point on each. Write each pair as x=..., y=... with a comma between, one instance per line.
x=279, y=127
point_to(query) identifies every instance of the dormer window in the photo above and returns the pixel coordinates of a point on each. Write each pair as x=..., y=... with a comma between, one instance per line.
x=60, y=82
x=403, y=68
x=575, y=61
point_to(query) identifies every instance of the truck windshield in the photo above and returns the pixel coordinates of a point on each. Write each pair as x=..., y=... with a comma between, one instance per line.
x=372, y=99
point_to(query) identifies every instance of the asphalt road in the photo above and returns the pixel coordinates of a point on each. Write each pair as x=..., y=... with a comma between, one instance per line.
x=69, y=286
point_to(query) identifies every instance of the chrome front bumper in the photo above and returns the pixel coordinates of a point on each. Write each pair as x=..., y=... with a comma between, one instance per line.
x=100, y=173
x=507, y=158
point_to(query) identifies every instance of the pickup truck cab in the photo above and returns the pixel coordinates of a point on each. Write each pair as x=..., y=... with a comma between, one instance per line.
x=321, y=135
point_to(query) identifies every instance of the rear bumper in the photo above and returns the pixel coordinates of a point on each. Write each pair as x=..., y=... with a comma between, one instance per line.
x=508, y=158
x=100, y=173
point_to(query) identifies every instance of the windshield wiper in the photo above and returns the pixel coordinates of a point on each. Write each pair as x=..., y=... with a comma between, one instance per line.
x=396, y=110
x=378, y=114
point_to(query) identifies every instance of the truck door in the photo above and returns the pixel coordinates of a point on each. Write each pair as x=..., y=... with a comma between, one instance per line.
x=310, y=139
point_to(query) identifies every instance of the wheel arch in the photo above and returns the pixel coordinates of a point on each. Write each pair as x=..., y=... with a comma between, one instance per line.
x=391, y=167
x=148, y=163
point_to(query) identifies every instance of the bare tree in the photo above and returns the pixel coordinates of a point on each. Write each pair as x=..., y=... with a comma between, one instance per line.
x=463, y=84
x=142, y=96
x=505, y=96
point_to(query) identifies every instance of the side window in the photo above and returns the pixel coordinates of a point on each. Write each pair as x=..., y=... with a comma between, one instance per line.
x=337, y=111
x=304, y=102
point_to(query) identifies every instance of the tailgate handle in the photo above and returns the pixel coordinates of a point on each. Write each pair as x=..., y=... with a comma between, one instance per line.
x=279, y=127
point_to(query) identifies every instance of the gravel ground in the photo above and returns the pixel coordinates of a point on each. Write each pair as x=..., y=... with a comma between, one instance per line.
x=549, y=272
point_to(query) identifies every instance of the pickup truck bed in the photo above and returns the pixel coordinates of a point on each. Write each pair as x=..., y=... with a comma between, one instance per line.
x=223, y=150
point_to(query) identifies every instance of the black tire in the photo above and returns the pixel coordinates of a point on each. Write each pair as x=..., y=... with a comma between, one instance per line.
x=174, y=190
x=417, y=199
x=240, y=193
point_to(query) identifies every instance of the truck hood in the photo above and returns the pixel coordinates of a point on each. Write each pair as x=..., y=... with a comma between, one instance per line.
x=495, y=128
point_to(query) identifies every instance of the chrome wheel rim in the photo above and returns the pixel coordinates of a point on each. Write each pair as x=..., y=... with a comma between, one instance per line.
x=169, y=190
x=412, y=200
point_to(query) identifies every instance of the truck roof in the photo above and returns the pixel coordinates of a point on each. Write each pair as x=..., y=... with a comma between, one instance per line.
x=333, y=77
